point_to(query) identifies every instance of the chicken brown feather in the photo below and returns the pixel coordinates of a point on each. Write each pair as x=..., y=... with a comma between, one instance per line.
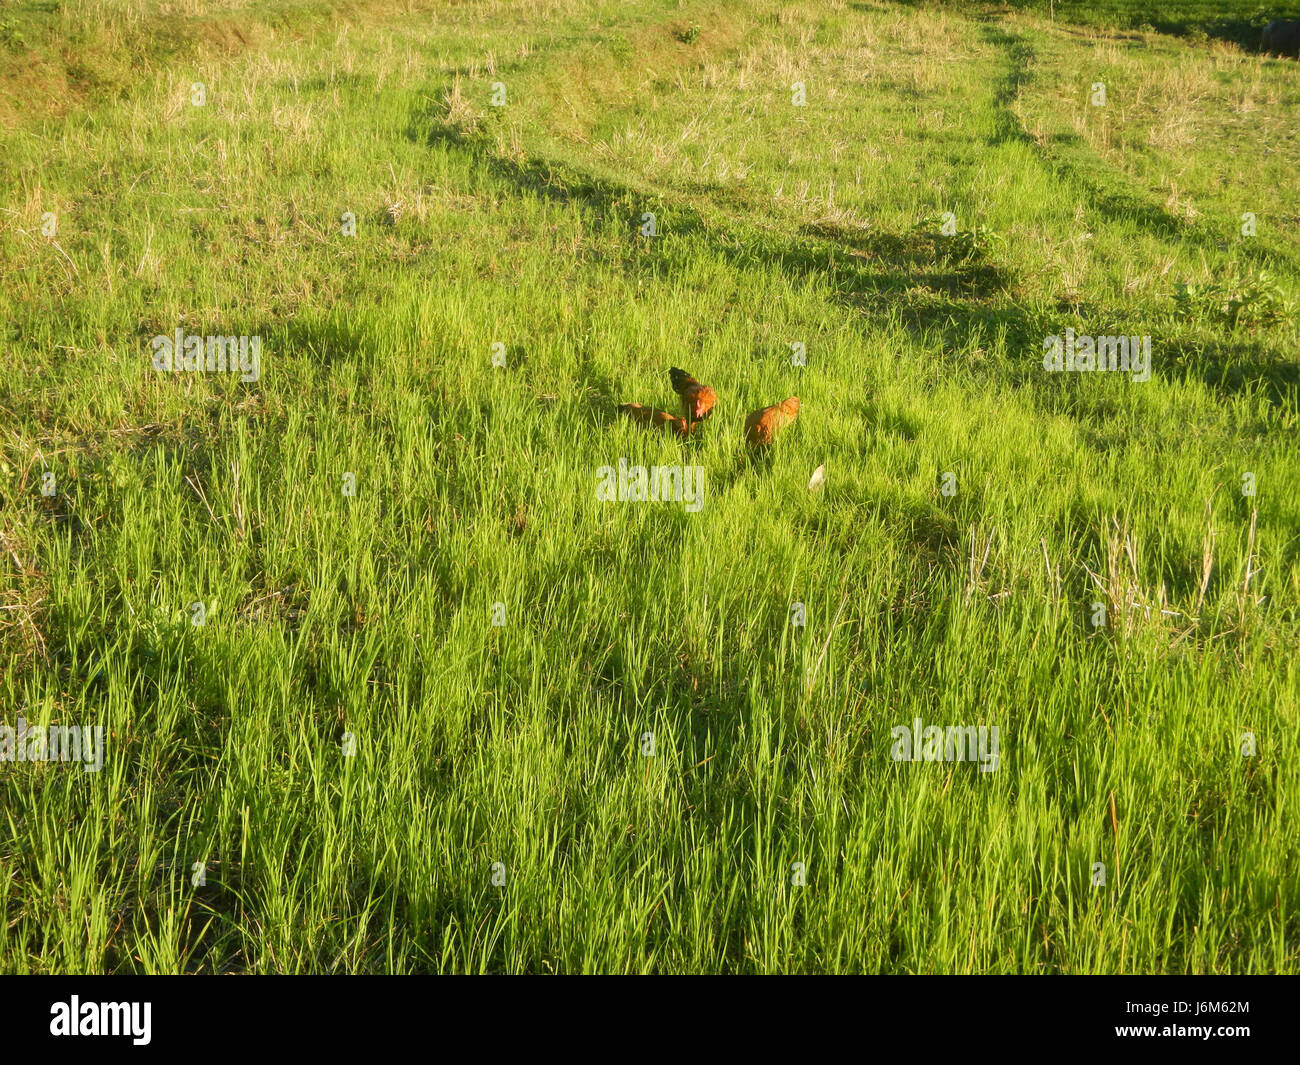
x=697, y=399
x=762, y=425
x=655, y=419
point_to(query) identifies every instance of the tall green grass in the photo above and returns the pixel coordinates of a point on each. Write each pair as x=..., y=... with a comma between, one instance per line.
x=372, y=776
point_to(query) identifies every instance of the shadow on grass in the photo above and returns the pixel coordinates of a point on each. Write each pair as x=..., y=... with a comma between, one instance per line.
x=1105, y=189
x=1189, y=20
x=1234, y=365
x=949, y=296
x=867, y=270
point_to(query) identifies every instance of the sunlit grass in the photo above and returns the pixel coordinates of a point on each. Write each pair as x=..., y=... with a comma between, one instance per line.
x=375, y=777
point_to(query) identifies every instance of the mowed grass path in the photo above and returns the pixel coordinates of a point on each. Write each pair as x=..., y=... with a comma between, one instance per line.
x=498, y=812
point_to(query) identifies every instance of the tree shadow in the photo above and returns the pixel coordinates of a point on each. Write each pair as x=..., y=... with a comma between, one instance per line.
x=1236, y=364
x=1241, y=28
x=944, y=292
x=1116, y=198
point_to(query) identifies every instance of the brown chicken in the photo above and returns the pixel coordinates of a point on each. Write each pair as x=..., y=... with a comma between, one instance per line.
x=761, y=426
x=655, y=419
x=697, y=399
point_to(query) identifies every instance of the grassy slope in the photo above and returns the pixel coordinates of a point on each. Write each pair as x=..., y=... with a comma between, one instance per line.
x=519, y=744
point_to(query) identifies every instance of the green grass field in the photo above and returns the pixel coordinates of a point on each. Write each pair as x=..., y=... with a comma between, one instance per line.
x=442, y=709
